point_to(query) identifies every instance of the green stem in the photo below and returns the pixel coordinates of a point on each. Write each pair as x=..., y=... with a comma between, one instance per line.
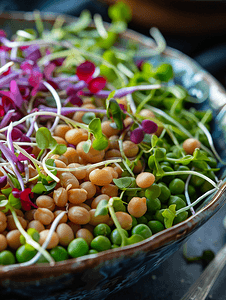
x=28, y=238
x=146, y=99
x=116, y=222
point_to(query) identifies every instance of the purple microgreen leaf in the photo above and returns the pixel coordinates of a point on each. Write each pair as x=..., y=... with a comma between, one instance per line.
x=75, y=100
x=7, y=118
x=149, y=126
x=17, y=98
x=20, y=166
x=32, y=53
x=85, y=71
x=3, y=181
x=48, y=70
x=137, y=136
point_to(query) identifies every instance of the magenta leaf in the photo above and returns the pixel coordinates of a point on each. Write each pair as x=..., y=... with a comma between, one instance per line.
x=16, y=95
x=96, y=84
x=3, y=181
x=137, y=136
x=85, y=71
x=149, y=126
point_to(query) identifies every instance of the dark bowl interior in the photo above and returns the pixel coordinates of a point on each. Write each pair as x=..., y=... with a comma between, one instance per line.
x=96, y=276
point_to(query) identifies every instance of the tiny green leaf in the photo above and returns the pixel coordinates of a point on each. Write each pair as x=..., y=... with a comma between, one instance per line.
x=7, y=191
x=39, y=188
x=86, y=146
x=114, y=110
x=60, y=149
x=118, y=205
x=95, y=127
x=15, y=181
x=102, y=208
x=44, y=139
x=100, y=143
x=15, y=202
x=169, y=215
x=123, y=182
x=154, y=140
x=135, y=238
x=88, y=117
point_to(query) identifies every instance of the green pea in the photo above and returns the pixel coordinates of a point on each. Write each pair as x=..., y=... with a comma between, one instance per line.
x=176, y=186
x=155, y=226
x=92, y=251
x=153, y=192
x=116, y=237
x=23, y=254
x=142, y=220
x=158, y=215
x=142, y=230
x=212, y=162
x=33, y=233
x=191, y=191
x=184, y=176
x=153, y=205
x=100, y=243
x=7, y=258
x=165, y=163
x=200, y=165
x=182, y=196
x=42, y=260
x=165, y=192
x=180, y=218
x=148, y=216
x=78, y=247
x=59, y=253
x=102, y=229
x=114, y=246
x=205, y=187
x=171, y=155
x=134, y=221
x=178, y=201
x=196, y=181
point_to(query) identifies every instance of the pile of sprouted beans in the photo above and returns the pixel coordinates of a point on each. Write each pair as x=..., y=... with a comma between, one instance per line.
x=98, y=151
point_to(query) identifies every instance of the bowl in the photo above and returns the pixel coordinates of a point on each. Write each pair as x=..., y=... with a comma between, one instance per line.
x=98, y=275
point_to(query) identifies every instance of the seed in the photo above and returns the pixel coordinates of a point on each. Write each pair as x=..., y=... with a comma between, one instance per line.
x=190, y=145
x=137, y=207
x=78, y=215
x=145, y=180
x=101, y=177
x=53, y=241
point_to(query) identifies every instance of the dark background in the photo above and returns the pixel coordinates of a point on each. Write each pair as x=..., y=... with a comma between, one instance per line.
x=173, y=278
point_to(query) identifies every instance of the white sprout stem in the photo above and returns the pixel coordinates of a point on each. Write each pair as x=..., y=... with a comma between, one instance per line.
x=159, y=39
x=125, y=70
x=10, y=146
x=46, y=113
x=193, y=173
x=131, y=103
x=184, y=130
x=210, y=140
x=100, y=26
x=5, y=164
x=6, y=67
x=196, y=201
x=112, y=161
x=29, y=239
x=14, y=53
x=58, y=103
x=187, y=194
x=46, y=169
x=23, y=143
x=46, y=243
x=26, y=171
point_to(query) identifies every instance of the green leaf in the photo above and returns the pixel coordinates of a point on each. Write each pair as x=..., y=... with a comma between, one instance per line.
x=86, y=146
x=44, y=139
x=135, y=238
x=200, y=155
x=95, y=128
x=154, y=140
x=120, y=12
x=39, y=188
x=100, y=143
x=88, y=117
x=164, y=72
x=15, y=182
x=60, y=149
x=169, y=214
x=7, y=191
x=102, y=208
x=15, y=202
x=123, y=182
x=50, y=186
x=114, y=110
x=118, y=205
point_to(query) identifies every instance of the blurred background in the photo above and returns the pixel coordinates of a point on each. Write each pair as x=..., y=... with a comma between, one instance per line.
x=198, y=29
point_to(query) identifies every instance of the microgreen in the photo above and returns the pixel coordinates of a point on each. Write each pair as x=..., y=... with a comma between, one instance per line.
x=169, y=215
x=114, y=111
x=100, y=142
